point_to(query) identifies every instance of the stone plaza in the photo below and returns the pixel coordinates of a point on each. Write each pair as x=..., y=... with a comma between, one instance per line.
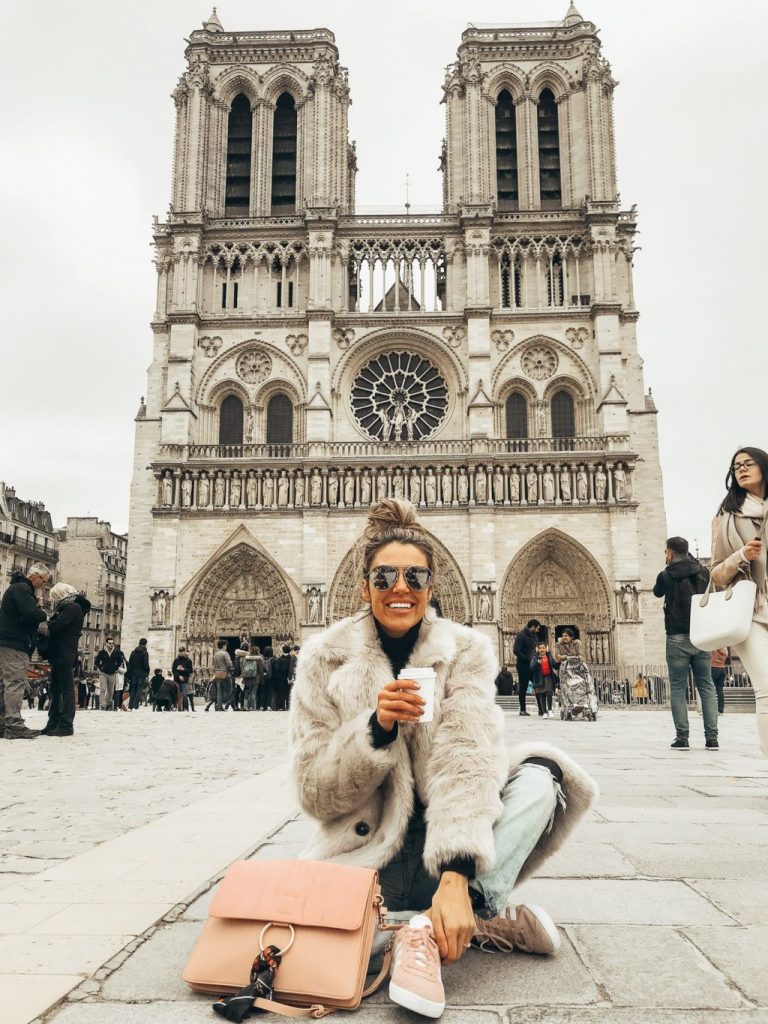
x=111, y=844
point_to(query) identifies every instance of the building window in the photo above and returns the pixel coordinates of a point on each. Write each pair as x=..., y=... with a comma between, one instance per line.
x=549, y=151
x=506, y=153
x=555, y=289
x=231, y=421
x=517, y=415
x=563, y=415
x=284, y=157
x=237, y=195
x=279, y=420
x=399, y=396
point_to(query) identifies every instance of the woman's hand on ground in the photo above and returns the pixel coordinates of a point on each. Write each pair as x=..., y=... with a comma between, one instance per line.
x=398, y=701
x=453, y=919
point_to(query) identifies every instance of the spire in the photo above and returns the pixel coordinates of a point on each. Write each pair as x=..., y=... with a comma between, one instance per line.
x=572, y=17
x=213, y=24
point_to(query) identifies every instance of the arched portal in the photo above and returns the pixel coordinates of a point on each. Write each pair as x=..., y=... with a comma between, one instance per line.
x=450, y=588
x=556, y=580
x=242, y=593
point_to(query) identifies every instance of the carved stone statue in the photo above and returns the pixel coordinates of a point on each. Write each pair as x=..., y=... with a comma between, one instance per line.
x=565, y=485
x=410, y=420
x=235, y=490
x=629, y=602
x=447, y=486
x=514, y=486
x=386, y=426
x=498, y=485
x=349, y=488
x=313, y=606
x=484, y=606
x=548, y=485
x=532, y=486
x=333, y=489
x=283, y=487
x=298, y=490
x=430, y=487
x=251, y=490
x=462, y=486
x=381, y=485
x=415, y=486
x=620, y=483
x=269, y=489
x=398, y=484
x=203, y=491
x=582, y=485
x=365, y=488
x=601, y=481
x=481, y=486
x=168, y=489
x=186, y=491
x=160, y=601
x=541, y=419
x=398, y=422
x=249, y=425
x=315, y=488
x=219, y=489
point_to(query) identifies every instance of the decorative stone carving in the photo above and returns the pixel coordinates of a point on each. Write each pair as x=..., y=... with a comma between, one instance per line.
x=399, y=396
x=628, y=602
x=484, y=598
x=539, y=362
x=344, y=336
x=296, y=343
x=253, y=366
x=161, y=609
x=502, y=339
x=210, y=345
x=186, y=491
x=577, y=336
x=454, y=336
x=314, y=604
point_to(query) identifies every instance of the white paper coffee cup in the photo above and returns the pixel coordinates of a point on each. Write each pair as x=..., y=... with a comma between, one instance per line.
x=425, y=677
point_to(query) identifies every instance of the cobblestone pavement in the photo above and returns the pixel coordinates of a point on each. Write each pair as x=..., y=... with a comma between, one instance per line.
x=659, y=896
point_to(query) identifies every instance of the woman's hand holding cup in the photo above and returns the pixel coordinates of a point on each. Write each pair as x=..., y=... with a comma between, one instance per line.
x=398, y=701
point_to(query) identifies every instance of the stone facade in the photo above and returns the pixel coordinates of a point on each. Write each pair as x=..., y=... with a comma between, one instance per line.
x=26, y=536
x=93, y=558
x=309, y=358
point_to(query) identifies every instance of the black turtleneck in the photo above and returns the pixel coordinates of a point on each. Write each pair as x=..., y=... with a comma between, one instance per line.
x=398, y=649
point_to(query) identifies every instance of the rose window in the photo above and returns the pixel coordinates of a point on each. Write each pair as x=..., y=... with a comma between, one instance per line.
x=539, y=363
x=254, y=366
x=399, y=396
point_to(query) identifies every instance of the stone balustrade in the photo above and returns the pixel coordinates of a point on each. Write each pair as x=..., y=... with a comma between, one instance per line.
x=510, y=482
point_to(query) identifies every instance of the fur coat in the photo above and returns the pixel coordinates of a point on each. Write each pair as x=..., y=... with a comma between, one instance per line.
x=362, y=798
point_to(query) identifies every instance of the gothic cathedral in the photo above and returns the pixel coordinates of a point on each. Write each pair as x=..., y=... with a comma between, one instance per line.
x=481, y=361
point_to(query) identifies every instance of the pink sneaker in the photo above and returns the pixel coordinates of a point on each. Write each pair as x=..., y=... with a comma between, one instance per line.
x=415, y=980
x=526, y=927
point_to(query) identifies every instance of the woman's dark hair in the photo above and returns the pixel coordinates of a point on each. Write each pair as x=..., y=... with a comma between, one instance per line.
x=393, y=521
x=221, y=644
x=734, y=499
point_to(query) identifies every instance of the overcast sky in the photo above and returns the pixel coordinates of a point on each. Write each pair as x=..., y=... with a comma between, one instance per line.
x=85, y=160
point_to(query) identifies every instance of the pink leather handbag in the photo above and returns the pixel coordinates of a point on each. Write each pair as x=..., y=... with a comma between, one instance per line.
x=331, y=912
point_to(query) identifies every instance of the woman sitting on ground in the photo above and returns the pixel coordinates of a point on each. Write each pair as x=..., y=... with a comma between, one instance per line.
x=451, y=819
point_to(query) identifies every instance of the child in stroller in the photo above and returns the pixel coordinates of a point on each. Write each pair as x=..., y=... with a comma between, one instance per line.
x=577, y=690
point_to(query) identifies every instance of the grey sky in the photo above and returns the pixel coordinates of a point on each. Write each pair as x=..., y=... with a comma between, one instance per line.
x=85, y=160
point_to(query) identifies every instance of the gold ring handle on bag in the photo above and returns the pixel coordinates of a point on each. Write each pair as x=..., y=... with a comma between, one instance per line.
x=271, y=924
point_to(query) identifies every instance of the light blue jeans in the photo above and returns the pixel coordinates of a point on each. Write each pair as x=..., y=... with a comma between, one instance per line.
x=682, y=656
x=530, y=800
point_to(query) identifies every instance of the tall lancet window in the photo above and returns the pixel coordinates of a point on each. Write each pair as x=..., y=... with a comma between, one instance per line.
x=506, y=153
x=549, y=151
x=231, y=421
x=284, y=157
x=237, y=194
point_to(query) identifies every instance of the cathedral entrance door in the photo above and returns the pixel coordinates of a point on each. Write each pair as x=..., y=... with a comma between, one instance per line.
x=261, y=642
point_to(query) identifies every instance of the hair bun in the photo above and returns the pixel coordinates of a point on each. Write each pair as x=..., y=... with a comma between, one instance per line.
x=390, y=513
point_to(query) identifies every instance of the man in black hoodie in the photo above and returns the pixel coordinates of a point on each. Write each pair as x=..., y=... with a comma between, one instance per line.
x=20, y=615
x=64, y=631
x=684, y=577
x=138, y=673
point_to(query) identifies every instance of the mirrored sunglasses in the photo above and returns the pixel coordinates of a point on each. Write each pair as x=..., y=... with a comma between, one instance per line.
x=384, y=577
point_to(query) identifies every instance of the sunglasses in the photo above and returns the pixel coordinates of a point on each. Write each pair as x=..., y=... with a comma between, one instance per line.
x=384, y=577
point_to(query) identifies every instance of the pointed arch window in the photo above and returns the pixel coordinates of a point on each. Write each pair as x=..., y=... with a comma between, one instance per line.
x=280, y=420
x=549, y=151
x=231, y=421
x=237, y=193
x=563, y=417
x=517, y=416
x=284, y=157
x=506, y=152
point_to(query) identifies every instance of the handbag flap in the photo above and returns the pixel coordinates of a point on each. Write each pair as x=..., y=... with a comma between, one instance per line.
x=312, y=893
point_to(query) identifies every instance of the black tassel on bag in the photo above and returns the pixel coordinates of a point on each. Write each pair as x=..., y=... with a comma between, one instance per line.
x=238, y=1006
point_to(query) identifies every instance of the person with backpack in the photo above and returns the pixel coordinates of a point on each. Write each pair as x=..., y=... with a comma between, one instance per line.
x=684, y=577
x=252, y=670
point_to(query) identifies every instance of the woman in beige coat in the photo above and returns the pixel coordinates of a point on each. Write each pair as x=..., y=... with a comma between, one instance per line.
x=739, y=545
x=449, y=817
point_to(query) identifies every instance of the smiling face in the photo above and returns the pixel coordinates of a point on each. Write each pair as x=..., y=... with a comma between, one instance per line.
x=748, y=474
x=398, y=609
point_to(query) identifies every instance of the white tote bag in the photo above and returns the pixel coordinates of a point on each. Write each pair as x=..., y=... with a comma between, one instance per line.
x=722, y=618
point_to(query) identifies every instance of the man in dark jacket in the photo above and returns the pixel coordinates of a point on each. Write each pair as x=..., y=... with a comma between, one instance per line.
x=182, y=670
x=523, y=650
x=109, y=659
x=65, y=628
x=281, y=673
x=505, y=682
x=684, y=577
x=20, y=615
x=138, y=673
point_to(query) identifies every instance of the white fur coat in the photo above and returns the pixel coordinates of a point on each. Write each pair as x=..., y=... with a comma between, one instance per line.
x=362, y=798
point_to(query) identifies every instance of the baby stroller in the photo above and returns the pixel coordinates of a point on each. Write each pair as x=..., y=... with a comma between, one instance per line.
x=577, y=691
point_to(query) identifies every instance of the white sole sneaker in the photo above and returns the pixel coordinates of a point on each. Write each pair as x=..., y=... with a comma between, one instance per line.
x=545, y=921
x=410, y=1001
